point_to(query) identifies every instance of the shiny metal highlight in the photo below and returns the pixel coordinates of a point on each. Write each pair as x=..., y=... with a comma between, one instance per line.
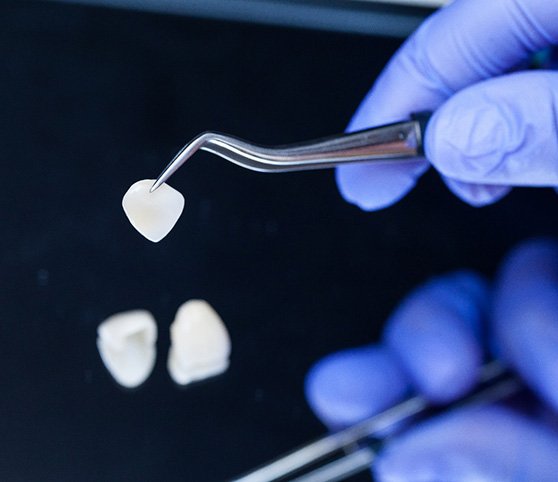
x=399, y=142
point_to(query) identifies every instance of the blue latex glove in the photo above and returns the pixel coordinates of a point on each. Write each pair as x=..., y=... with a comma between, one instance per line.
x=434, y=344
x=486, y=135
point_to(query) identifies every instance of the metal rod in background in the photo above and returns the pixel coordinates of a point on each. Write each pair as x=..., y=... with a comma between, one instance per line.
x=495, y=384
x=330, y=444
x=342, y=468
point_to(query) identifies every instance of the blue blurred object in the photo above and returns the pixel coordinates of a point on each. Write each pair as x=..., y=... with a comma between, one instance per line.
x=435, y=336
x=525, y=315
x=488, y=135
x=373, y=370
x=489, y=444
x=441, y=321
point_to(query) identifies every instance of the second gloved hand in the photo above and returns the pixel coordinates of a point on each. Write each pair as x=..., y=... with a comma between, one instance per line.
x=434, y=344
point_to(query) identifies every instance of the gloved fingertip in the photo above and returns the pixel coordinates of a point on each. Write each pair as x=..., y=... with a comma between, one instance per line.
x=477, y=195
x=351, y=385
x=374, y=187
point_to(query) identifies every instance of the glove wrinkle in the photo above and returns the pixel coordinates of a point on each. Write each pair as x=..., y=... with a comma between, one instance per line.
x=460, y=47
x=529, y=30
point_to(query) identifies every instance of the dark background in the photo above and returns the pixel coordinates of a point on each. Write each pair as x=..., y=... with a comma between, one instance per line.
x=92, y=100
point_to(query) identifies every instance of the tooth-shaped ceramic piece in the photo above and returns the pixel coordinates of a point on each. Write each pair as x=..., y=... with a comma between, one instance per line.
x=126, y=343
x=200, y=343
x=152, y=214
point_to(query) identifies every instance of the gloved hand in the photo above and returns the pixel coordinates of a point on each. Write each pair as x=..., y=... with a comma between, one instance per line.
x=434, y=344
x=486, y=135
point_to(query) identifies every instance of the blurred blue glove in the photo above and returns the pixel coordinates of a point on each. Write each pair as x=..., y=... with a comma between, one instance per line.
x=434, y=344
x=486, y=135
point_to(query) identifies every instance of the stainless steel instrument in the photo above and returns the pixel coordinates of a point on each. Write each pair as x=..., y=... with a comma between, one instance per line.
x=392, y=143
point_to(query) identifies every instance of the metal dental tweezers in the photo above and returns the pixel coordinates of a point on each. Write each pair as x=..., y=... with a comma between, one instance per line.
x=357, y=445
x=353, y=450
x=392, y=143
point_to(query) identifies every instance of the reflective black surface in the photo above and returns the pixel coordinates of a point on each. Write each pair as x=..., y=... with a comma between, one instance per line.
x=93, y=100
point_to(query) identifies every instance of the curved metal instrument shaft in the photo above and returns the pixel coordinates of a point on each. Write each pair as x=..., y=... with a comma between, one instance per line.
x=397, y=142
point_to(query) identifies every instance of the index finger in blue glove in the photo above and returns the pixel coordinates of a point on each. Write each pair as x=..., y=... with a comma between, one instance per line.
x=468, y=41
x=525, y=315
x=351, y=385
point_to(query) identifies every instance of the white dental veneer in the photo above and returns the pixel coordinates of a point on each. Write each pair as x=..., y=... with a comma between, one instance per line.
x=126, y=343
x=200, y=343
x=152, y=214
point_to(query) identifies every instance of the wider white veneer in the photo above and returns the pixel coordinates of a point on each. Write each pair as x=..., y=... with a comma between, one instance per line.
x=126, y=343
x=200, y=343
x=153, y=214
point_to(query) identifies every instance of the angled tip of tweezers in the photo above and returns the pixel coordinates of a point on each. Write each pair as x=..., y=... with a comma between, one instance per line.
x=156, y=184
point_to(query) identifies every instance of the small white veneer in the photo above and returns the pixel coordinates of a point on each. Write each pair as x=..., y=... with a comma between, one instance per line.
x=126, y=343
x=200, y=343
x=152, y=214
